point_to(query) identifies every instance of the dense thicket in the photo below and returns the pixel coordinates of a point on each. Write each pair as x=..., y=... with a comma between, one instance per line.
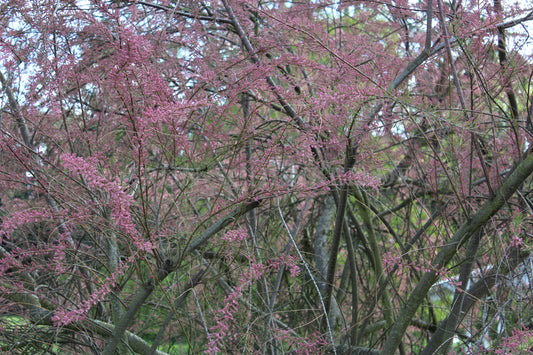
x=247, y=176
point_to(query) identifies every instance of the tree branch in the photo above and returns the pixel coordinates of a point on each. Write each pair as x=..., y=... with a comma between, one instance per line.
x=522, y=171
x=147, y=289
x=221, y=224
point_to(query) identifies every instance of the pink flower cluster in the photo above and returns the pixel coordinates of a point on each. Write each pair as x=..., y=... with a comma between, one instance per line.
x=519, y=342
x=65, y=316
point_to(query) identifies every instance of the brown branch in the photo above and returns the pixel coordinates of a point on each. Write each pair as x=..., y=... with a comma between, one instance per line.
x=185, y=14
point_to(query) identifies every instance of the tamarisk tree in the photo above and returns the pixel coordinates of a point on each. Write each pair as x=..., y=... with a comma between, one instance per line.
x=275, y=177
